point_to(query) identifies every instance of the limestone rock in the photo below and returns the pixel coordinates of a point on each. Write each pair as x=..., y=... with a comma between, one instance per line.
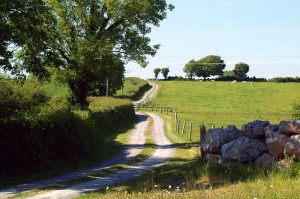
x=213, y=159
x=271, y=130
x=265, y=162
x=292, y=147
x=289, y=126
x=283, y=165
x=215, y=138
x=276, y=144
x=243, y=149
x=255, y=129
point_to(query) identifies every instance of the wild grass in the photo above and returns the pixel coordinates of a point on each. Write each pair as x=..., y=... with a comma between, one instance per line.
x=185, y=177
x=134, y=88
x=222, y=104
x=218, y=104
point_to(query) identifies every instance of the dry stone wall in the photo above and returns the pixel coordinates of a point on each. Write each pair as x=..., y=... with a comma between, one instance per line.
x=259, y=142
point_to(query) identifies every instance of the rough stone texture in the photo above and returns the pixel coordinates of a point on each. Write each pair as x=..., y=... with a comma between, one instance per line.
x=213, y=159
x=283, y=165
x=292, y=147
x=215, y=138
x=289, y=126
x=266, y=162
x=228, y=162
x=271, y=131
x=243, y=149
x=255, y=129
x=276, y=144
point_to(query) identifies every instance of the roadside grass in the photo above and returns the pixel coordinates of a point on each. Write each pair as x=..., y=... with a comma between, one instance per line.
x=222, y=104
x=173, y=172
x=186, y=177
x=147, y=151
x=134, y=88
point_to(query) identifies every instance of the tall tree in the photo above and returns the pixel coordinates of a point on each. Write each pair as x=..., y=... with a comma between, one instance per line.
x=165, y=72
x=241, y=69
x=210, y=65
x=90, y=33
x=190, y=69
x=27, y=24
x=156, y=72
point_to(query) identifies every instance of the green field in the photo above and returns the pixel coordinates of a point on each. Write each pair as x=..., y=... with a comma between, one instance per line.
x=223, y=104
x=133, y=88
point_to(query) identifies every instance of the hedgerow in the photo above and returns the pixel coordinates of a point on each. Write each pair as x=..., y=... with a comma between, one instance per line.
x=38, y=132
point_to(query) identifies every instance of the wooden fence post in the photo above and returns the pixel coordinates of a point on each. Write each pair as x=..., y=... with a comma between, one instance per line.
x=160, y=109
x=182, y=132
x=191, y=127
x=202, y=135
x=178, y=125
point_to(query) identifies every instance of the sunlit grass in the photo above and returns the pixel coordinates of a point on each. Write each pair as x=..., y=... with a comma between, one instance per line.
x=222, y=104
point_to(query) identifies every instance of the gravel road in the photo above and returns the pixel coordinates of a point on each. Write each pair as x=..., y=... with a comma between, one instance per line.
x=163, y=152
x=149, y=95
x=135, y=145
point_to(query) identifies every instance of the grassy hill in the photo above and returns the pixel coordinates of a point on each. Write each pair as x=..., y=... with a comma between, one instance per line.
x=134, y=88
x=223, y=104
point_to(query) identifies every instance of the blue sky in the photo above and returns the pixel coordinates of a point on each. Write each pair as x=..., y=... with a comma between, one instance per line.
x=263, y=33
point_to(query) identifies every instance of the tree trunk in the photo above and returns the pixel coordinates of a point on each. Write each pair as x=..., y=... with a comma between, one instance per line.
x=79, y=89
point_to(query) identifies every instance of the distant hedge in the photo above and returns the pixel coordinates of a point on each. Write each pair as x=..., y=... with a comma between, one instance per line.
x=284, y=79
x=232, y=78
x=36, y=132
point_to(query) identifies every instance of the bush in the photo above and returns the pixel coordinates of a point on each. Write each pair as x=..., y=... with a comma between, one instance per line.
x=284, y=79
x=17, y=98
x=37, y=132
x=296, y=112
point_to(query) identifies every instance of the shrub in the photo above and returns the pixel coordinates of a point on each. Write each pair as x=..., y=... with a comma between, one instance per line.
x=296, y=111
x=284, y=79
x=17, y=98
x=37, y=132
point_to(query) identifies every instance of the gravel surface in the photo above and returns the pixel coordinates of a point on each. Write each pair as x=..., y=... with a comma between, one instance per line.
x=135, y=145
x=163, y=152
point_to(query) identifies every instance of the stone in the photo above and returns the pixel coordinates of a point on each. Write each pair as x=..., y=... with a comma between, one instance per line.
x=213, y=159
x=289, y=126
x=271, y=131
x=215, y=138
x=255, y=129
x=225, y=162
x=265, y=162
x=284, y=165
x=243, y=149
x=276, y=144
x=292, y=147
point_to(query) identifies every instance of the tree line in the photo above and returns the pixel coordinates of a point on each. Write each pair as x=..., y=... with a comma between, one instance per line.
x=84, y=44
x=213, y=65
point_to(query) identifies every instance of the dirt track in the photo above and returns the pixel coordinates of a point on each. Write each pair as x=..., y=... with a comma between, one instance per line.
x=135, y=145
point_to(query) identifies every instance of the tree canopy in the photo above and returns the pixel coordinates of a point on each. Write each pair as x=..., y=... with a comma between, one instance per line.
x=165, y=72
x=241, y=69
x=210, y=65
x=86, y=41
x=156, y=72
x=190, y=69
